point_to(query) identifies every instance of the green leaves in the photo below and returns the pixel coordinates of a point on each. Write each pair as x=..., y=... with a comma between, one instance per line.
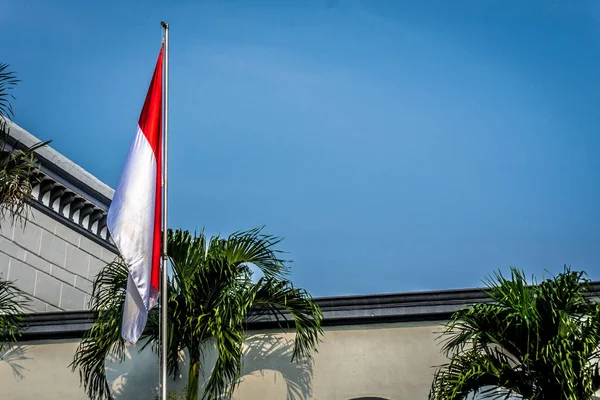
x=211, y=295
x=536, y=341
x=12, y=303
x=277, y=295
x=8, y=80
x=252, y=247
x=16, y=178
x=103, y=340
x=16, y=164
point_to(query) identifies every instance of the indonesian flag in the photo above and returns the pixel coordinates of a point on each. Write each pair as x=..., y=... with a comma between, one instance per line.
x=134, y=217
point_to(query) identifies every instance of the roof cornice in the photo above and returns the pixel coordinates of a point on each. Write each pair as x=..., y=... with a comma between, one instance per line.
x=435, y=305
x=63, y=169
x=66, y=192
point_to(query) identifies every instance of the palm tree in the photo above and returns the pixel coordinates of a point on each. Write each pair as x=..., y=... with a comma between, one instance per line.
x=211, y=294
x=534, y=342
x=16, y=165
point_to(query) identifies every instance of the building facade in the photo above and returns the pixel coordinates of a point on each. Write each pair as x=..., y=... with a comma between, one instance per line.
x=56, y=254
x=374, y=347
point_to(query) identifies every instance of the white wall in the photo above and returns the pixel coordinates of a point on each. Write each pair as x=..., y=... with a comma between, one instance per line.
x=390, y=361
x=51, y=262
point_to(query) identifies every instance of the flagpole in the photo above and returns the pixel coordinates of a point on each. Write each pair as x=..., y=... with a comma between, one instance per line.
x=164, y=284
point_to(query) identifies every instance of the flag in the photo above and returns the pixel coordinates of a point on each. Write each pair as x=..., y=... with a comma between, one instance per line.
x=134, y=216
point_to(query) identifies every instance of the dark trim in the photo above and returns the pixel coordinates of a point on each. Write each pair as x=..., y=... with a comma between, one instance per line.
x=383, y=308
x=74, y=226
x=56, y=325
x=435, y=305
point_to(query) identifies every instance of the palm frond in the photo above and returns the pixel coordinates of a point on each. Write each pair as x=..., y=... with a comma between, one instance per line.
x=253, y=247
x=12, y=304
x=103, y=340
x=275, y=295
x=151, y=336
x=229, y=341
x=16, y=176
x=541, y=340
x=483, y=325
x=8, y=80
x=488, y=374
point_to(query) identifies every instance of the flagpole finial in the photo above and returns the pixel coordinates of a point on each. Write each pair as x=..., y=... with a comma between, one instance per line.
x=164, y=24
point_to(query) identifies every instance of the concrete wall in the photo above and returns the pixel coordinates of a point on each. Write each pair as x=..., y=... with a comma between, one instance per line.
x=387, y=361
x=50, y=261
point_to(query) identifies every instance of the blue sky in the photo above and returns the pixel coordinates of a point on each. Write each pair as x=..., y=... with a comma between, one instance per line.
x=397, y=146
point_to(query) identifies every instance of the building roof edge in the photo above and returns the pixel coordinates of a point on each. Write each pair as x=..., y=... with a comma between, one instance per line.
x=435, y=305
x=63, y=167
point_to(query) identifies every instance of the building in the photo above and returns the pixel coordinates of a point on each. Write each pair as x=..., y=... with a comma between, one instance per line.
x=375, y=347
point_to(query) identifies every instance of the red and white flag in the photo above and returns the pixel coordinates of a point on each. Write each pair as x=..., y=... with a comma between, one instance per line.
x=134, y=217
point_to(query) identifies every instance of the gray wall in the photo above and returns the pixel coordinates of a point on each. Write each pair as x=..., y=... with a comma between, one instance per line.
x=388, y=361
x=50, y=261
